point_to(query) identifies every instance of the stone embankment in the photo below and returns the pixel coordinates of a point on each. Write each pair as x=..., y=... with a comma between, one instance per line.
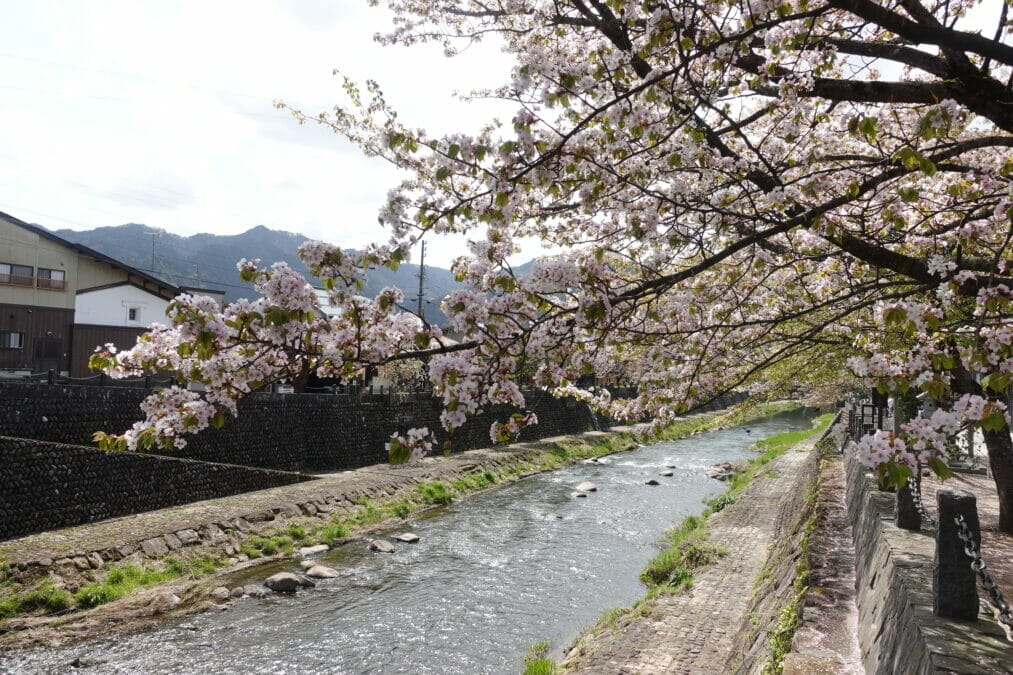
x=72, y=557
x=728, y=619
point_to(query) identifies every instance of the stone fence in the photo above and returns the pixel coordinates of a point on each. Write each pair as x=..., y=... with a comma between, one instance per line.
x=287, y=432
x=45, y=486
x=898, y=631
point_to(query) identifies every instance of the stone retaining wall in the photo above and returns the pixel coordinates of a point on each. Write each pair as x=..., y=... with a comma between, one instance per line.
x=45, y=486
x=220, y=526
x=898, y=633
x=295, y=432
x=775, y=590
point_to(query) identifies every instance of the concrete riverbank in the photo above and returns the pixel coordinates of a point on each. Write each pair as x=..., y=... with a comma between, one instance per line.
x=726, y=619
x=357, y=502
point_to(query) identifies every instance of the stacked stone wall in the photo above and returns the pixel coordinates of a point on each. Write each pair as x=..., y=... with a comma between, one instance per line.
x=45, y=485
x=288, y=432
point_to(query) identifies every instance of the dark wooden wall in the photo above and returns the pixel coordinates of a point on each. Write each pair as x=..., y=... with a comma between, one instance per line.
x=48, y=334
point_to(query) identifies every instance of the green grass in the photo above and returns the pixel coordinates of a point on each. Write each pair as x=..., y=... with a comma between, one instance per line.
x=121, y=581
x=46, y=598
x=296, y=531
x=775, y=445
x=333, y=531
x=686, y=549
x=401, y=508
x=435, y=493
x=537, y=661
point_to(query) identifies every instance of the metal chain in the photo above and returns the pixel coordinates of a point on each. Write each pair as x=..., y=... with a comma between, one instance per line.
x=916, y=497
x=996, y=602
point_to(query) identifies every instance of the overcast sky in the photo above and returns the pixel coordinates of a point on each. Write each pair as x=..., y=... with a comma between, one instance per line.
x=162, y=113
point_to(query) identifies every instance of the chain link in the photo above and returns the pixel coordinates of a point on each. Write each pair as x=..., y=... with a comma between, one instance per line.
x=916, y=497
x=996, y=602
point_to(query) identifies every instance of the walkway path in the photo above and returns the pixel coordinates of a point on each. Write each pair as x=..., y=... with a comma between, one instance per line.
x=693, y=631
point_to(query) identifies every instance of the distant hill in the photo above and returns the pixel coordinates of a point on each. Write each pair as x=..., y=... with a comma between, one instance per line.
x=208, y=260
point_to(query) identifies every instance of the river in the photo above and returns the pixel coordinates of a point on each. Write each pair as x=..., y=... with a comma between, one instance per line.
x=491, y=576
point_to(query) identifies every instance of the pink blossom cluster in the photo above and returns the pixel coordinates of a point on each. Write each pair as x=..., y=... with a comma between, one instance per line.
x=416, y=443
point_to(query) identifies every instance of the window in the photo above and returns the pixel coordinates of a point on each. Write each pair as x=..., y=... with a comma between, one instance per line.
x=11, y=340
x=134, y=314
x=52, y=279
x=19, y=275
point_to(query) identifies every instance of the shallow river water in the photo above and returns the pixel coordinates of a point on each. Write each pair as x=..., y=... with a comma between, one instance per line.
x=491, y=576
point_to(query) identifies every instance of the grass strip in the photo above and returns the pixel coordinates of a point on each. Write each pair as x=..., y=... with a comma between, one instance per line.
x=537, y=661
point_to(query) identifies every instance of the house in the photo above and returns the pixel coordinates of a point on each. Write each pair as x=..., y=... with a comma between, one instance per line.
x=58, y=300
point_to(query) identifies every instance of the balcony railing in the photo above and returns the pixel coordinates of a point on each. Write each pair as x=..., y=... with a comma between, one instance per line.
x=17, y=280
x=52, y=284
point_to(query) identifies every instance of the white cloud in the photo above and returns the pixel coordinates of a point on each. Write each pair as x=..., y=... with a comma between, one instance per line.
x=162, y=113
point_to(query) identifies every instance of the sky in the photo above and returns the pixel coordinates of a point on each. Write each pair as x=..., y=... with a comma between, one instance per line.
x=163, y=113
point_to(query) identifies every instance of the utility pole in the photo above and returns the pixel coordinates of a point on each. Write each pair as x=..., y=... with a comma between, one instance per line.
x=153, y=235
x=422, y=277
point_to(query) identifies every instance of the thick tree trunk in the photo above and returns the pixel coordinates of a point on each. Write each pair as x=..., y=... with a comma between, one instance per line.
x=1000, y=451
x=1000, y=459
x=301, y=378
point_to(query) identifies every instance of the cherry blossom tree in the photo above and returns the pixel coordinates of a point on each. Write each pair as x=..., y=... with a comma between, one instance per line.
x=743, y=189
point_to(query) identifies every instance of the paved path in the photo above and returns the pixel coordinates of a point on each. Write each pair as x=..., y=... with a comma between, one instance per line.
x=693, y=631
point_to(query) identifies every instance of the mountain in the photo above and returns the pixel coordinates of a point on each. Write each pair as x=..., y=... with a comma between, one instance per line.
x=208, y=261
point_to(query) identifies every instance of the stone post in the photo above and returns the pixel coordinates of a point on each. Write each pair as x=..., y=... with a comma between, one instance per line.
x=906, y=514
x=954, y=592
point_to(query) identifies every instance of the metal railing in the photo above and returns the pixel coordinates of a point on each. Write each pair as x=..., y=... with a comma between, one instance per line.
x=17, y=279
x=51, y=284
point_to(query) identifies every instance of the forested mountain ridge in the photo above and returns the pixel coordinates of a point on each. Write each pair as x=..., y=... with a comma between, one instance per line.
x=208, y=260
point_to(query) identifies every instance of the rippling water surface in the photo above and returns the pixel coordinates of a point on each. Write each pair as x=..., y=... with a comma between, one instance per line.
x=490, y=577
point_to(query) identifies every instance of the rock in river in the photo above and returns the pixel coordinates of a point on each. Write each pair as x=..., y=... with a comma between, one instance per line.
x=652, y=482
x=312, y=550
x=254, y=591
x=586, y=486
x=321, y=572
x=408, y=537
x=667, y=473
x=286, y=582
x=577, y=495
x=381, y=546
x=220, y=593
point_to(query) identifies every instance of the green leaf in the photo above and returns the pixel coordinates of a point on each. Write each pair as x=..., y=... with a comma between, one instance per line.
x=939, y=467
x=218, y=421
x=453, y=150
x=895, y=316
x=398, y=453
x=442, y=173
x=997, y=382
x=995, y=421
